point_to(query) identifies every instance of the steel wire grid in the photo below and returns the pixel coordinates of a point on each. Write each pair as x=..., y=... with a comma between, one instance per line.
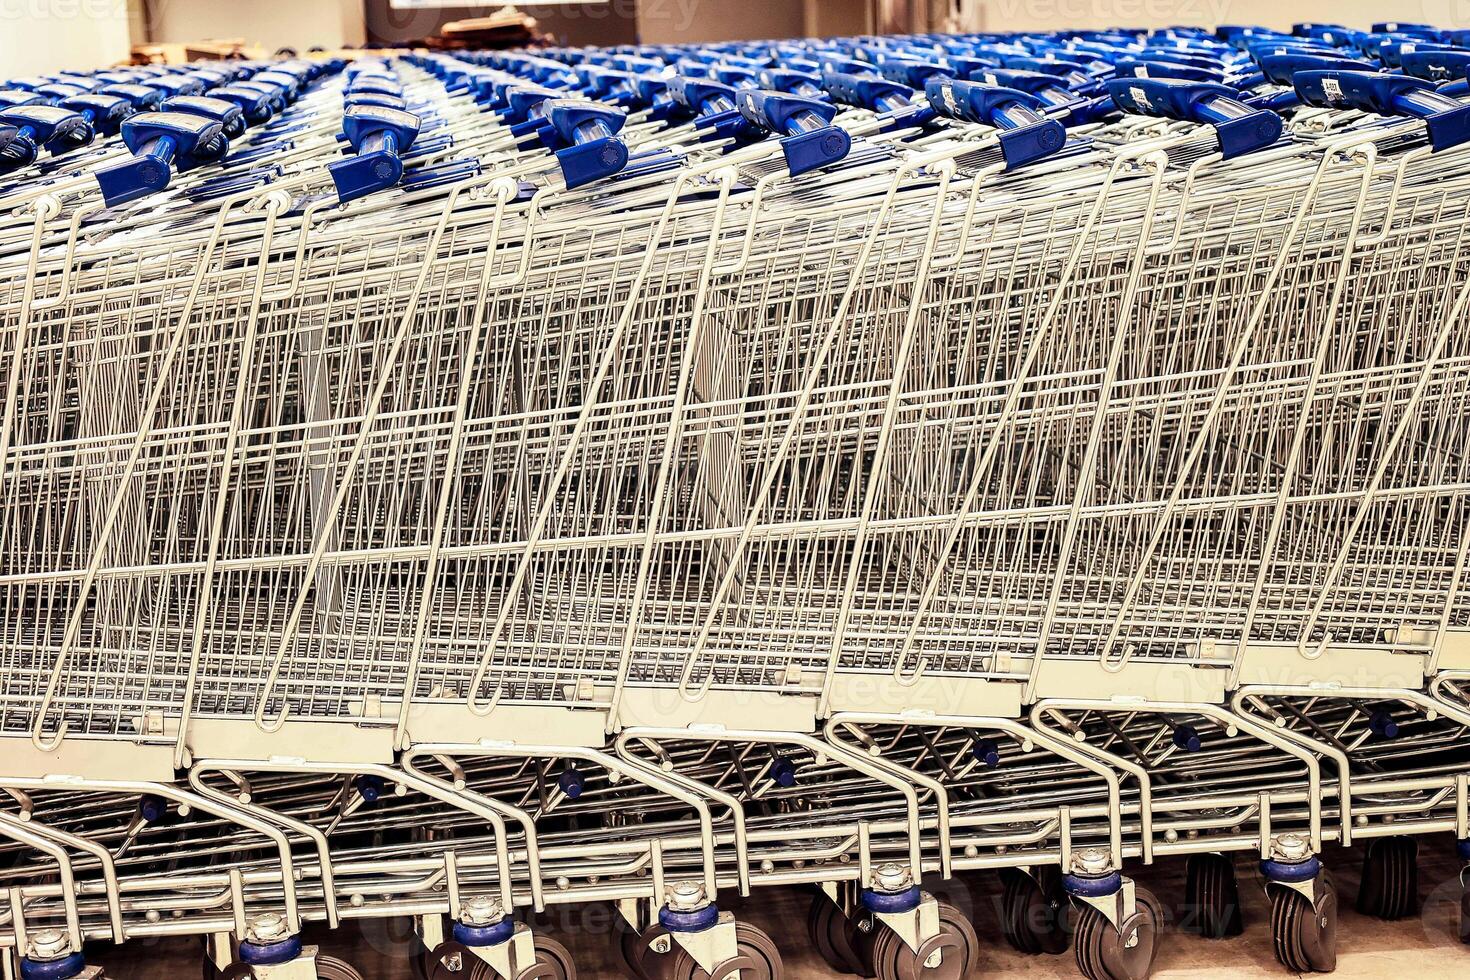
x=730, y=444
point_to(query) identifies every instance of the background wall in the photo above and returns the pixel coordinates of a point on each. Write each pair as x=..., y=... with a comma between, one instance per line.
x=1279, y=14
x=679, y=21
x=614, y=22
x=273, y=24
x=44, y=35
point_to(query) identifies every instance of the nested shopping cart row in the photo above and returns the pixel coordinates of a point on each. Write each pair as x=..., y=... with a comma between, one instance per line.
x=633, y=475
x=454, y=827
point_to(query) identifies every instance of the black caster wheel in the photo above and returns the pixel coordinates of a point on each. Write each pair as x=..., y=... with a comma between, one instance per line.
x=1465, y=915
x=1390, y=885
x=420, y=964
x=756, y=958
x=453, y=961
x=331, y=968
x=1035, y=913
x=836, y=938
x=639, y=958
x=630, y=949
x=951, y=955
x=553, y=962
x=1304, y=933
x=1212, y=897
x=1107, y=953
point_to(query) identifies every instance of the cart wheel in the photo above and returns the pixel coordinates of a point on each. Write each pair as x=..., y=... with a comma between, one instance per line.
x=630, y=949
x=755, y=959
x=818, y=924
x=835, y=937
x=1305, y=936
x=331, y=968
x=1390, y=885
x=553, y=962
x=1465, y=915
x=951, y=955
x=650, y=965
x=1035, y=912
x=1106, y=953
x=1212, y=897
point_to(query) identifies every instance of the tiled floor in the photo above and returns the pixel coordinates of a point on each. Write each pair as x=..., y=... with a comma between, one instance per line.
x=1419, y=948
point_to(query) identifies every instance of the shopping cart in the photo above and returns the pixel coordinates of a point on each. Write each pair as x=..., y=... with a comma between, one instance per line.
x=652, y=475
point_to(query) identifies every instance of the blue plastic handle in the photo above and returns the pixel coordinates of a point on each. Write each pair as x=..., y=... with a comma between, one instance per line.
x=376, y=83
x=374, y=98
x=1215, y=61
x=1071, y=71
x=178, y=85
x=809, y=138
x=158, y=140
x=29, y=84
x=1025, y=134
x=1156, y=68
x=849, y=66
x=277, y=94
x=792, y=81
x=736, y=76
x=1265, y=49
x=588, y=131
x=605, y=84
x=14, y=98
x=143, y=97
x=1280, y=69
x=58, y=130
x=56, y=93
x=230, y=116
x=964, y=66
x=867, y=91
x=105, y=113
x=1044, y=87
x=379, y=136
x=651, y=92
x=523, y=101
x=290, y=84
x=255, y=105
x=1447, y=120
x=1399, y=27
x=1239, y=128
x=702, y=96
x=912, y=72
x=1437, y=63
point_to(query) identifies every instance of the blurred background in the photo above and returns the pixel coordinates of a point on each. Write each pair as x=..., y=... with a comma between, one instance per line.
x=47, y=34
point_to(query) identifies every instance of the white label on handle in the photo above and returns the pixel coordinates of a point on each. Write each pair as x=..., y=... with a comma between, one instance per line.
x=1332, y=89
x=1140, y=97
